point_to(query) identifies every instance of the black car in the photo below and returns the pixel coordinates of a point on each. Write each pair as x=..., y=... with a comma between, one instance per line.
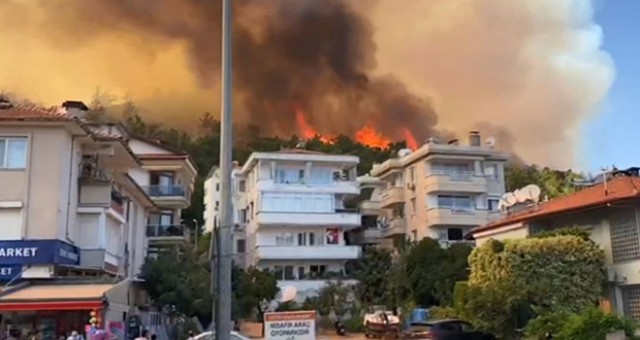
x=450, y=329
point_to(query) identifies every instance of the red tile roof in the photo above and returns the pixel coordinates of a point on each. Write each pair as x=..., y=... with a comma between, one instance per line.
x=618, y=189
x=22, y=112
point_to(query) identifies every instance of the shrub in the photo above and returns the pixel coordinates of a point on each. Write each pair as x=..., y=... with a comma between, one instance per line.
x=549, y=323
x=594, y=324
x=439, y=313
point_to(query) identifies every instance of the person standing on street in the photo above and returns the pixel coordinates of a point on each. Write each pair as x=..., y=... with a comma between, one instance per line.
x=143, y=335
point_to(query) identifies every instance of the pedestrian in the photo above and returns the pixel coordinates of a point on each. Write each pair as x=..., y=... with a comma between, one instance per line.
x=143, y=335
x=74, y=336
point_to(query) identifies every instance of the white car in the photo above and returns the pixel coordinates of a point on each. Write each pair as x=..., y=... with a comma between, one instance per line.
x=210, y=336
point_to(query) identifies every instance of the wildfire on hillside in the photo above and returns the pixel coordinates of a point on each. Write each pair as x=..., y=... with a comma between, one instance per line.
x=367, y=135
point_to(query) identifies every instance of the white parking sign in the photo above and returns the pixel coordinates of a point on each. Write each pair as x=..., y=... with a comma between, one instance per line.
x=290, y=325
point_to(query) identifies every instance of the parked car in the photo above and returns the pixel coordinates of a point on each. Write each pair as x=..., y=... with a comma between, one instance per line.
x=210, y=336
x=450, y=329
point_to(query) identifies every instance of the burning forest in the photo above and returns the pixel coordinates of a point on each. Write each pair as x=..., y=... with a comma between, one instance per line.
x=368, y=69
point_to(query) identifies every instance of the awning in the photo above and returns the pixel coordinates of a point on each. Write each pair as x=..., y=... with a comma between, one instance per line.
x=55, y=297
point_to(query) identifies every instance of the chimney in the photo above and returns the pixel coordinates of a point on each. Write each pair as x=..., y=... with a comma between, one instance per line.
x=75, y=108
x=474, y=138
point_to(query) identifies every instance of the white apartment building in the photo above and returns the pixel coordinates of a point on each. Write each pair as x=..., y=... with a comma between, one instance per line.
x=211, y=216
x=294, y=216
x=72, y=205
x=440, y=190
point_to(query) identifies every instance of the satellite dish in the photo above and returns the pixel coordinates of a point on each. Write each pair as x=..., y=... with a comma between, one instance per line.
x=491, y=141
x=532, y=192
x=286, y=294
x=521, y=196
x=489, y=171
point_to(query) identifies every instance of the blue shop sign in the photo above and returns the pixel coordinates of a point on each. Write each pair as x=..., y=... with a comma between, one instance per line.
x=21, y=252
x=10, y=272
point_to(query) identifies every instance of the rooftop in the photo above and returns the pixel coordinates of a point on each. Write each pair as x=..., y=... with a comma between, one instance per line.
x=616, y=189
x=25, y=112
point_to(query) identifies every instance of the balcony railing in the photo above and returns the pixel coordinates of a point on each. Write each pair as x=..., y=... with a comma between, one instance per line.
x=165, y=231
x=460, y=176
x=166, y=191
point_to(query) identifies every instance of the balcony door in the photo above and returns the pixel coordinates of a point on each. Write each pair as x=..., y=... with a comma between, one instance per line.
x=162, y=181
x=164, y=218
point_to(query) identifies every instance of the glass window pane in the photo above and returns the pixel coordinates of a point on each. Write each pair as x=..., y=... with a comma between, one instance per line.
x=17, y=153
x=2, y=148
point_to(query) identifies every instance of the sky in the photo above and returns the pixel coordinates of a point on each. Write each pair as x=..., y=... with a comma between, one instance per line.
x=612, y=136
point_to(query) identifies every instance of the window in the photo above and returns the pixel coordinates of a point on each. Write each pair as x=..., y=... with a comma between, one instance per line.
x=414, y=235
x=164, y=218
x=454, y=234
x=287, y=176
x=278, y=272
x=240, y=246
x=241, y=186
x=455, y=202
x=321, y=177
x=492, y=204
x=13, y=153
x=217, y=186
x=242, y=215
x=300, y=273
x=412, y=174
x=312, y=239
x=288, y=273
x=302, y=239
x=413, y=206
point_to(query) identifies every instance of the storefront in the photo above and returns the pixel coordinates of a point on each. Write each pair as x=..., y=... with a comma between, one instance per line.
x=35, y=300
x=55, y=309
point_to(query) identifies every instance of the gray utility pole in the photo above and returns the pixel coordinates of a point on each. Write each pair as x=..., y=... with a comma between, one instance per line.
x=223, y=301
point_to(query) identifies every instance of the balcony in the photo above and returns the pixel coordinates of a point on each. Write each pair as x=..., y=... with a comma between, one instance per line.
x=455, y=181
x=366, y=236
x=166, y=232
x=174, y=195
x=392, y=196
x=396, y=227
x=454, y=216
x=342, y=217
x=307, y=252
x=369, y=207
x=336, y=187
x=100, y=194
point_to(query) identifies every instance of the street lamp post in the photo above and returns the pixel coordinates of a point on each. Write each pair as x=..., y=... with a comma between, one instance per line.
x=223, y=300
x=196, y=230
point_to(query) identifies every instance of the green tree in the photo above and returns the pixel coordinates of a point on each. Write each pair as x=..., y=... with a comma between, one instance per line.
x=184, y=289
x=337, y=297
x=553, y=183
x=433, y=271
x=372, y=272
x=253, y=289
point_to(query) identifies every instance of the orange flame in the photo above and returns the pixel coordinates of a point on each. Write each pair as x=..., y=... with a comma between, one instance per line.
x=368, y=136
x=306, y=131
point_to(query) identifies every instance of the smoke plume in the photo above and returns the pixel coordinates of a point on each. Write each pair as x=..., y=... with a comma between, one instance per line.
x=534, y=68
